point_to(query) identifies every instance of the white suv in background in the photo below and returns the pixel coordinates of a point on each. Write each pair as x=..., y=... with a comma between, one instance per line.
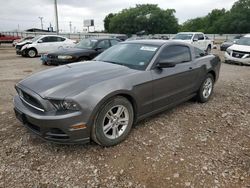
x=197, y=39
x=43, y=44
x=239, y=52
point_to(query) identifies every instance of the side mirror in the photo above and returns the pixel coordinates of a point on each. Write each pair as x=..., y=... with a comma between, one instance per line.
x=195, y=40
x=165, y=64
x=40, y=41
x=98, y=48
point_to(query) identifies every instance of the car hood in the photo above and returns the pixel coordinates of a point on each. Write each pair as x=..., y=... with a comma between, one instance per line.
x=24, y=42
x=71, y=51
x=72, y=79
x=242, y=48
x=186, y=41
x=227, y=43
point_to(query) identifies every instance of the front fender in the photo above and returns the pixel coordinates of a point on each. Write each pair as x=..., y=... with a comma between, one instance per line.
x=92, y=99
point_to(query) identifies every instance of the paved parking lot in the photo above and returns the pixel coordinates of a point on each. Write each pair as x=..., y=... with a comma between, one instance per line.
x=192, y=145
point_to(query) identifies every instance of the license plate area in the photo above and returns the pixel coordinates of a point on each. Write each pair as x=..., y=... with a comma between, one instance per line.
x=20, y=116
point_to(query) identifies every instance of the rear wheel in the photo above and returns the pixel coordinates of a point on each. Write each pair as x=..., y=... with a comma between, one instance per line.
x=113, y=122
x=206, y=89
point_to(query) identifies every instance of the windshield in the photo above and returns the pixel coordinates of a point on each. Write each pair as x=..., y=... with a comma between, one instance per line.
x=136, y=56
x=183, y=36
x=244, y=41
x=35, y=38
x=86, y=44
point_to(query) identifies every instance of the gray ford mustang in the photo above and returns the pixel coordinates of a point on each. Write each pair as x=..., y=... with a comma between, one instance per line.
x=103, y=98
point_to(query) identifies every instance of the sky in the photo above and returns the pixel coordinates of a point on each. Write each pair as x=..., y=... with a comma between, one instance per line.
x=24, y=14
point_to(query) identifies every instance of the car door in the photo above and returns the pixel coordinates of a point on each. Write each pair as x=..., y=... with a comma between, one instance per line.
x=173, y=84
x=44, y=45
x=201, y=42
x=57, y=43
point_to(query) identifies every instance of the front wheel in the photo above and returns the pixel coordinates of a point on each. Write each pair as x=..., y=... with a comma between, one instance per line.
x=113, y=122
x=206, y=89
x=31, y=53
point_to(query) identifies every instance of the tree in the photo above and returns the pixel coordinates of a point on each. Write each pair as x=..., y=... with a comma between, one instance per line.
x=107, y=21
x=148, y=17
x=236, y=20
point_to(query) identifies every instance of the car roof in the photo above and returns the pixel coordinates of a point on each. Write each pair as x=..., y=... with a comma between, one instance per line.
x=100, y=38
x=247, y=35
x=51, y=36
x=190, y=33
x=156, y=42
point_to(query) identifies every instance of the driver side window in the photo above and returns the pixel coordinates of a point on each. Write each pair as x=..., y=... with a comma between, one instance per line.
x=46, y=39
x=176, y=54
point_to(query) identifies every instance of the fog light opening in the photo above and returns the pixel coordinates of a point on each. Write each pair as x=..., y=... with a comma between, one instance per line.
x=77, y=127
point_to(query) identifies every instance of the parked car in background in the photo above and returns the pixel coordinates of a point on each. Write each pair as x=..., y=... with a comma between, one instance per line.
x=86, y=49
x=7, y=38
x=229, y=42
x=103, y=98
x=239, y=52
x=197, y=39
x=43, y=44
x=15, y=42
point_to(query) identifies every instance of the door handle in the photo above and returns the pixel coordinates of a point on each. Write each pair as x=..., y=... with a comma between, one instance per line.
x=190, y=68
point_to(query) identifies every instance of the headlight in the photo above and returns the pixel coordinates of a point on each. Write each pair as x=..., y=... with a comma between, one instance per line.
x=65, y=105
x=229, y=51
x=65, y=57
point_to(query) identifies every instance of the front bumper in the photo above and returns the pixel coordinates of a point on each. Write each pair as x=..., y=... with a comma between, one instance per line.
x=19, y=52
x=52, y=127
x=56, y=61
x=229, y=58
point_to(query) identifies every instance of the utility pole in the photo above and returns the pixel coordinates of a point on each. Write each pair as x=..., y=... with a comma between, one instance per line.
x=56, y=17
x=70, y=26
x=41, y=19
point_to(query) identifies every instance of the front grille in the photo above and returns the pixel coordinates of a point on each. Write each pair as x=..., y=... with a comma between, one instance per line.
x=30, y=100
x=239, y=54
x=18, y=47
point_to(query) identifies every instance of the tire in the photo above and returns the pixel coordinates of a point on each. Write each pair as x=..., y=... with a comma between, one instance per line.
x=208, y=50
x=206, y=89
x=32, y=52
x=109, y=128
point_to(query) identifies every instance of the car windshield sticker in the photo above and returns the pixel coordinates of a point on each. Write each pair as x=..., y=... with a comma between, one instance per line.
x=148, y=48
x=141, y=63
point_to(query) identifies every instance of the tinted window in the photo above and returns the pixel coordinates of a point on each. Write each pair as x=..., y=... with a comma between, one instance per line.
x=114, y=42
x=56, y=39
x=103, y=44
x=60, y=39
x=196, y=37
x=200, y=37
x=176, y=54
x=46, y=39
x=198, y=52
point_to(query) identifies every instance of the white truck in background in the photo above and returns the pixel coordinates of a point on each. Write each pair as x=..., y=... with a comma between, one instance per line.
x=198, y=39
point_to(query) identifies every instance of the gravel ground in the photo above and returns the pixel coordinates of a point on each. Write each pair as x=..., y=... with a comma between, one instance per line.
x=192, y=145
